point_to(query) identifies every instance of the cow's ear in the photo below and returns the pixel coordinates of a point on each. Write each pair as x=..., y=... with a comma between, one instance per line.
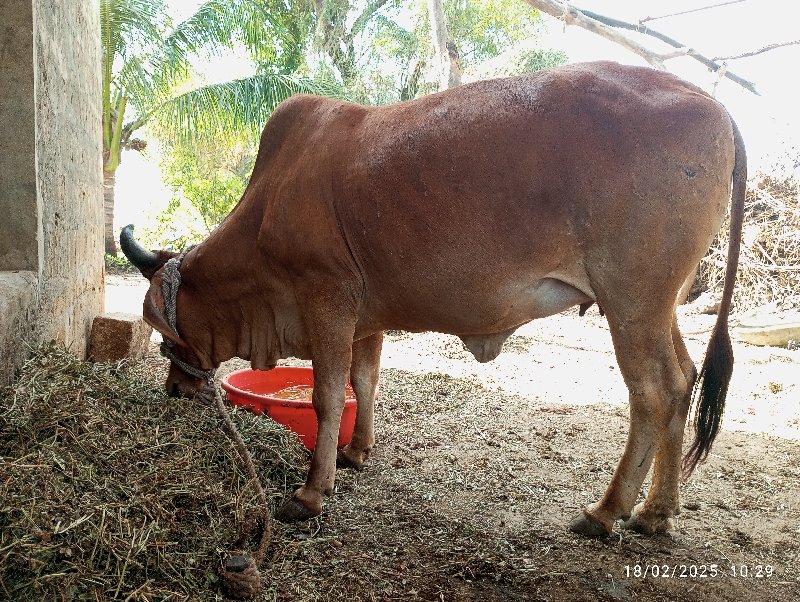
x=161, y=258
x=154, y=314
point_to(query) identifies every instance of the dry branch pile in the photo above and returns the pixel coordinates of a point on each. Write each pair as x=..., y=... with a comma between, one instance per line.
x=769, y=264
x=110, y=490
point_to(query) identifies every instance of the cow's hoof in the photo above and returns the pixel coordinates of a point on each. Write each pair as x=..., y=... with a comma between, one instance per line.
x=347, y=457
x=294, y=511
x=647, y=522
x=588, y=526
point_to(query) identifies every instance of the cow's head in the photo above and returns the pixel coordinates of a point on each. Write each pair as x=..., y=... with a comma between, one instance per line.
x=183, y=347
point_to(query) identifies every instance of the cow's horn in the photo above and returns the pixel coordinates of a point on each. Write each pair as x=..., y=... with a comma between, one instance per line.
x=136, y=253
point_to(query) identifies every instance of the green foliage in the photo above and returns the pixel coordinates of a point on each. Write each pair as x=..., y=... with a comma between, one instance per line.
x=392, y=52
x=274, y=33
x=242, y=105
x=207, y=181
x=147, y=60
x=147, y=70
x=119, y=265
x=483, y=29
x=536, y=60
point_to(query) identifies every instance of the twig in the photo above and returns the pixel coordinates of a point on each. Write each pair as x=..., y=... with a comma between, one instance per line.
x=606, y=27
x=573, y=16
x=701, y=331
x=685, y=51
x=755, y=52
x=769, y=267
x=135, y=593
x=691, y=10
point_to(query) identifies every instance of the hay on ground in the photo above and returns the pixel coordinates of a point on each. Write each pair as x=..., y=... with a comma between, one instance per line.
x=111, y=490
x=769, y=264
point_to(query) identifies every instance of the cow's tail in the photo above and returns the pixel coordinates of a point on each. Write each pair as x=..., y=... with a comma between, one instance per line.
x=712, y=384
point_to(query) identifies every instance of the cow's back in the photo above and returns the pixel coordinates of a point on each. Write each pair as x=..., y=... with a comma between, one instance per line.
x=460, y=203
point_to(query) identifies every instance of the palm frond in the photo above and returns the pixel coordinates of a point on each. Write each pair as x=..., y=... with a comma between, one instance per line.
x=214, y=23
x=271, y=31
x=127, y=22
x=126, y=26
x=241, y=105
x=149, y=79
x=265, y=30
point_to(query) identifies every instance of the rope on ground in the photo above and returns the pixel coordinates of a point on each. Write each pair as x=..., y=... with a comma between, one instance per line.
x=240, y=574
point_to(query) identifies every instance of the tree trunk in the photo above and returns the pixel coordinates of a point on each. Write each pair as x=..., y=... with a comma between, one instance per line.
x=335, y=40
x=446, y=52
x=109, y=179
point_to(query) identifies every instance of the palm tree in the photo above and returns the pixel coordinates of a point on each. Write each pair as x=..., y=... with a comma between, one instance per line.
x=145, y=58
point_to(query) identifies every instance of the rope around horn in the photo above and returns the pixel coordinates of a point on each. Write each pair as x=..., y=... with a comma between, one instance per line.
x=240, y=575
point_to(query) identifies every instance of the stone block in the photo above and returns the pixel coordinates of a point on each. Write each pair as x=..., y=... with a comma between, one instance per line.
x=769, y=326
x=117, y=336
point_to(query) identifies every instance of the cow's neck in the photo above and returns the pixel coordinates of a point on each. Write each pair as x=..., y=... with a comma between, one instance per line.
x=248, y=312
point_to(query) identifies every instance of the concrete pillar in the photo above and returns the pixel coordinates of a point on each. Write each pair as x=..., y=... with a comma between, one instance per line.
x=51, y=198
x=20, y=210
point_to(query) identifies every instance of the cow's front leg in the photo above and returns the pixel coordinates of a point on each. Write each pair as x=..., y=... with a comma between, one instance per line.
x=331, y=349
x=364, y=373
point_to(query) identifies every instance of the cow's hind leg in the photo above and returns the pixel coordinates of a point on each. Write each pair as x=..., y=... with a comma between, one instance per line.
x=364, y=372
x=653, y=515
x=657, y=389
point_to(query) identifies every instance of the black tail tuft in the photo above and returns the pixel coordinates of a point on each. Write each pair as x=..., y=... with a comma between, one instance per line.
x=710, y=391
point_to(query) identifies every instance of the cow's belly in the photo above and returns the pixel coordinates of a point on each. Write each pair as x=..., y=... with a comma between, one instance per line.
x=551, y=296
x=483, y=316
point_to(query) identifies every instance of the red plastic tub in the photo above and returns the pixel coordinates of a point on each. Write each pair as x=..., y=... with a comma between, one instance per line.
x=257, y=389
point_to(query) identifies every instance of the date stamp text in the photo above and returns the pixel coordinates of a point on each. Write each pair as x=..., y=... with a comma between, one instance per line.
x=698, y=571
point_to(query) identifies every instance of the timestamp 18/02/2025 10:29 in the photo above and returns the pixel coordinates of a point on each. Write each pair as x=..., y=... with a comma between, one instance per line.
x=698, y=571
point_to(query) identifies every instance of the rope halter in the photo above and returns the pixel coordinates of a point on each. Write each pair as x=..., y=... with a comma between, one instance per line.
x=170, y=282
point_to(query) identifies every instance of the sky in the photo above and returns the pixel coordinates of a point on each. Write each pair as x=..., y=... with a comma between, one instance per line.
x=769, y=122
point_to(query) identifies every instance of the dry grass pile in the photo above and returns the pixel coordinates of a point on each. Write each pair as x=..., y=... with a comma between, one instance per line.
x=110, y=490
x=769, y=264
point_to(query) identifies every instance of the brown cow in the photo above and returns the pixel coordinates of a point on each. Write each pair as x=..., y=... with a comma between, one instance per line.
x=471, y=212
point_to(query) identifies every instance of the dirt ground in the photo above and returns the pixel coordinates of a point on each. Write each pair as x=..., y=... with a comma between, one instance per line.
x=479, y=468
